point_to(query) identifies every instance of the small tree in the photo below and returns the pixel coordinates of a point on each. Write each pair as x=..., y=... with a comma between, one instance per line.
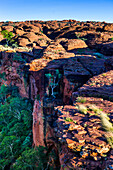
x=7, y=35
x=53, y=81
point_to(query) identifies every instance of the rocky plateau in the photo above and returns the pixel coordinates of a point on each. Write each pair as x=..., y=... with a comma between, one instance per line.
x=67, y=70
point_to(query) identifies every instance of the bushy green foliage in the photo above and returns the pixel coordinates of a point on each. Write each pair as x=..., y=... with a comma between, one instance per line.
x=112, y=39
x=36, y=159
x=15, y=125
x=68, y=119
x=16, y=152
x=2, y=76
x=8, y=36
x=81, y=99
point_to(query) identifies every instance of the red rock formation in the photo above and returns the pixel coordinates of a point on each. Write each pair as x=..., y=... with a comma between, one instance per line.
x=74, y=44
x=82, y=141
x=38, y=124
x=23, y=42
x=80, y=137
x=14, y=71
x=8, y=28
x=99, y=86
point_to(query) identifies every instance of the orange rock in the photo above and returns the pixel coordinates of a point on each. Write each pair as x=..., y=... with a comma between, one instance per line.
x=38, y=128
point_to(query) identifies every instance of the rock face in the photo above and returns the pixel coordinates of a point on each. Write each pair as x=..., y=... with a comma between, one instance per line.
x=70, y=84
x=107, y=48
x=38, y=124
x=109, y=63
x=92, y=63
x=16, y=73
x=99, y=86
x=8, y=28
x=82, y=142
x=23, y=42
x=74, y=44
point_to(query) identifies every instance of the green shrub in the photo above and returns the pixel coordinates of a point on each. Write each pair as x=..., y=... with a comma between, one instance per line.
x=8, y=36
x=112, y=39
x=68, y=119
x=15, y=125
x=81, y=99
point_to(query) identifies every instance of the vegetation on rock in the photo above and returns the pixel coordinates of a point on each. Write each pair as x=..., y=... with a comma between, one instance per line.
x=8, y=36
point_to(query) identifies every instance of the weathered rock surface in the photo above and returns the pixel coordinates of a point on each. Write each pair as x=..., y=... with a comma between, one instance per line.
x=99, y=86
x=15, y=72
x=109, y=63
x=38, y=127
x=74, y=44
x=107, y=48
x=23, y=42
x=108, y=27
x=31, y=36
x=61, y=68
x=8, y=28
x=92, y=63
x=82, y=140
x=94, y=33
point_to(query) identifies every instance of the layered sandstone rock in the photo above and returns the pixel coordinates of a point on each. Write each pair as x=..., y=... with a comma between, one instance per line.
x=15, y=72
x=82, y=141
x=31, y=36
x=92, y=63
x=23, y=42
x=74, y=44
x=99, y=86
x=38, y=124
x=53, y=80
x=8, y=28
x=19, y=32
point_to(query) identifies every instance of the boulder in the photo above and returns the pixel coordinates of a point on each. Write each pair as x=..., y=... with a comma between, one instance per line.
x=35, y=29
x=99, y=86
x=8, y=28
x=23, y=42
x=94, y=38
x=54, y=46
x=74, y=44
x=92, y=63
x=19, y=32
x=30, y=36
